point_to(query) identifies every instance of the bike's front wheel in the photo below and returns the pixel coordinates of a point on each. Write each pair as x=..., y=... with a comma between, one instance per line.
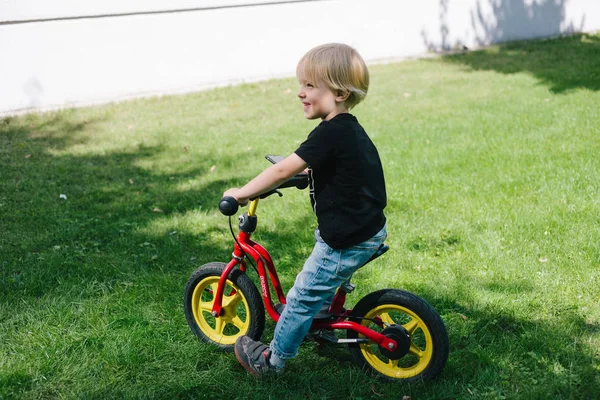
x=243, y=312
x=422, y=349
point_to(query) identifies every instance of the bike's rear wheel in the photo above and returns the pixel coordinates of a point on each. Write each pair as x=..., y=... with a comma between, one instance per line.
x=401, y=314
x=243, y=312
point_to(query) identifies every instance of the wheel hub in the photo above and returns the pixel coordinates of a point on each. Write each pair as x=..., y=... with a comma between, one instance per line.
x=399, y=334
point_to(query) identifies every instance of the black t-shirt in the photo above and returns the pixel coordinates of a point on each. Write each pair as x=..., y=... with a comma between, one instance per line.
x=347, y=187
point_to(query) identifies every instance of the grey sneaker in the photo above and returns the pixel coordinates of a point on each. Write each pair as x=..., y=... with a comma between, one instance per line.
x=254, y=356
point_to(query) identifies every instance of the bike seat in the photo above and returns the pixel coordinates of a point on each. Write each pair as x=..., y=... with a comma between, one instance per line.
x=382, y=249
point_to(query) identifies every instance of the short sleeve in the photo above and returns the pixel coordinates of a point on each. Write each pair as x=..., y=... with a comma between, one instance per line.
x=318, y=147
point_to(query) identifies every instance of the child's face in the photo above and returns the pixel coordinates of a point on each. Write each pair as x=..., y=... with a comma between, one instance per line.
x=318, y=101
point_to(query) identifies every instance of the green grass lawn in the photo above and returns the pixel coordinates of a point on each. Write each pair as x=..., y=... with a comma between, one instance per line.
x=492, y=163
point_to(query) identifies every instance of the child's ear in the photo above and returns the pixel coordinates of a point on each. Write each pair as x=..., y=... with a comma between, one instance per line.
x=342, y=95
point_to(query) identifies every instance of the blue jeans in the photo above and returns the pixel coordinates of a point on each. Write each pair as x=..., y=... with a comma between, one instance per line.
x=324, y=271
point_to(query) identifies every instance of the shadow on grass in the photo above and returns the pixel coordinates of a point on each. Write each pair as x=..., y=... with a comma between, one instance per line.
x=97, y=233
x=109, y=198
x=562, y=64
x=490, y=340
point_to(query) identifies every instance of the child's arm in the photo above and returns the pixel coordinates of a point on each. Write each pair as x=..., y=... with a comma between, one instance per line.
x=269, y=179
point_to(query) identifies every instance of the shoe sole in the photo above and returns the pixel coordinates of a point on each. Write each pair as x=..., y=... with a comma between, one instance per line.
x=252, y=372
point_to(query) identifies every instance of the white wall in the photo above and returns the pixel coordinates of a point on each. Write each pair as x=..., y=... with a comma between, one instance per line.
x=67, y=52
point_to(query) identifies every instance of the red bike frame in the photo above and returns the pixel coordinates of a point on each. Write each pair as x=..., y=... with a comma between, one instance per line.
x=245, y=246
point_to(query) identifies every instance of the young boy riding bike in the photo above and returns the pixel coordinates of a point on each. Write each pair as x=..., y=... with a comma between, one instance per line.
x=347, y=193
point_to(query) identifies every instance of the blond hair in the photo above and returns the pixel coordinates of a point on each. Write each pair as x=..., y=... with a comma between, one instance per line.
x=340, y=67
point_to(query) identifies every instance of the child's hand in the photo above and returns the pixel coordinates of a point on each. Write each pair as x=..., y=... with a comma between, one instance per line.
x=235, y=193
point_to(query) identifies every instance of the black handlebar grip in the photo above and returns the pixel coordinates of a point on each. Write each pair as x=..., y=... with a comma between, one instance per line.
x=299, y=181
x=302, y=181
x=228, y=206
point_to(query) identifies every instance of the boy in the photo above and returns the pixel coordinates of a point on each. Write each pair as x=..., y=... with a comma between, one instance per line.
x=347, y=192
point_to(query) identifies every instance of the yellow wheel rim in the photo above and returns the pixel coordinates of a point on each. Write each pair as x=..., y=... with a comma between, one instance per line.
x=235, y=319
x=421, y=346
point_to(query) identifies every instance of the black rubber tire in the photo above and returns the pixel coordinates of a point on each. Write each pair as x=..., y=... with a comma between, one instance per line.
x=246, y=305
x=429, y=338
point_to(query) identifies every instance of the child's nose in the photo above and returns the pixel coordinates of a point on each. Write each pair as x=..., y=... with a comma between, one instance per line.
x=301, y=94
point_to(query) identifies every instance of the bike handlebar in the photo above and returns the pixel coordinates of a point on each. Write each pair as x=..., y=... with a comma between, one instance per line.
x=229, y=206
x=299, y=181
